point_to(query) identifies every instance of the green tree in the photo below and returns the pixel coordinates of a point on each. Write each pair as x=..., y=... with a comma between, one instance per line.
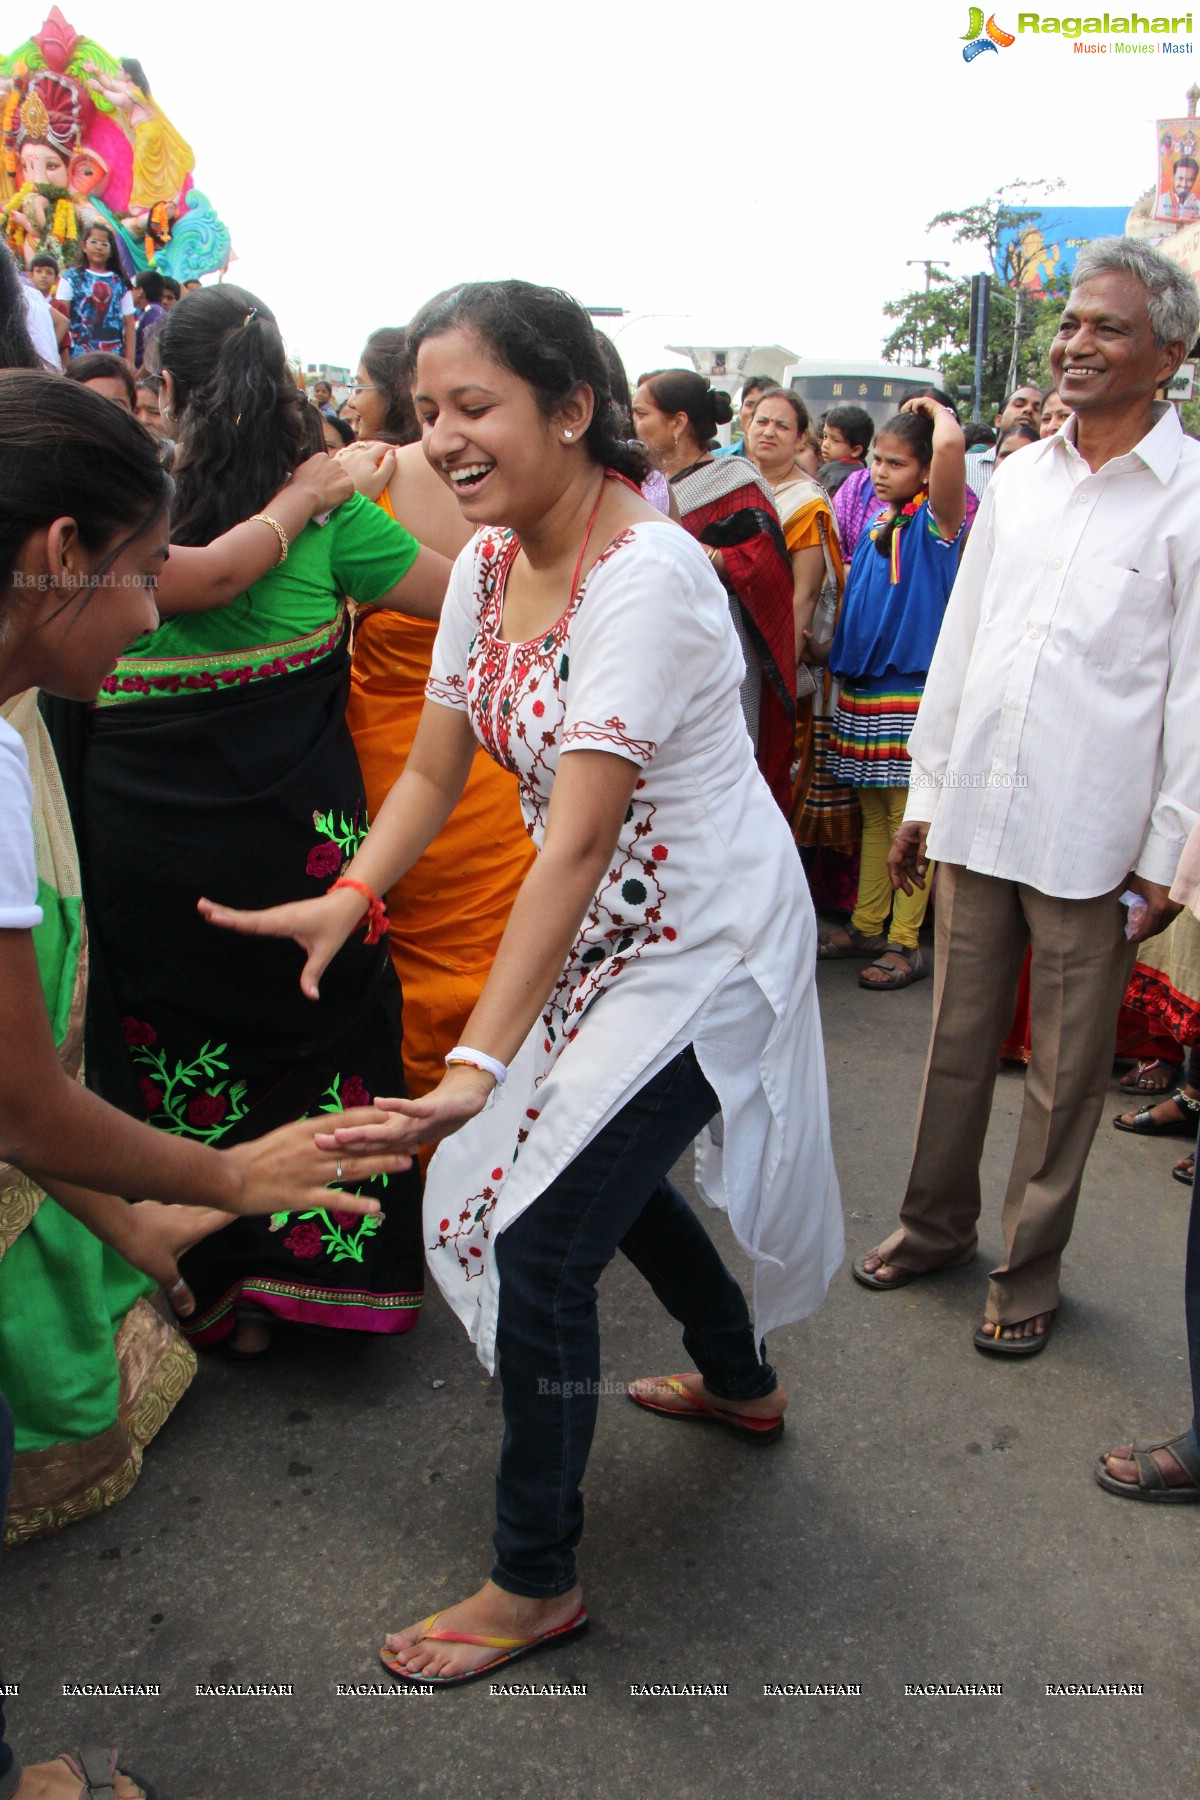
x=933, y=325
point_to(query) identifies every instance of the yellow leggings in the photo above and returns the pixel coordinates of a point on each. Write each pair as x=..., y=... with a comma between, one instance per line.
x=882, y=813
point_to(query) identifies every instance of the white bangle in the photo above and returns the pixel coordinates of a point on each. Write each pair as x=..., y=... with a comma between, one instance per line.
x=478, y=1059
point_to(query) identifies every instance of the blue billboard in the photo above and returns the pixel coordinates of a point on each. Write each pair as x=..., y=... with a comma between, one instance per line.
x=1045, y=249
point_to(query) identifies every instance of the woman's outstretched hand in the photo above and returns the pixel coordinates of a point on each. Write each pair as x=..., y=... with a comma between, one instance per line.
x=293, y=1169
x=320, y=927
x=460, y=1095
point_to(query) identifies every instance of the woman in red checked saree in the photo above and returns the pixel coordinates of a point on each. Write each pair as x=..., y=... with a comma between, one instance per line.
x=728, y=505
x=657, y=966
x=217, y=759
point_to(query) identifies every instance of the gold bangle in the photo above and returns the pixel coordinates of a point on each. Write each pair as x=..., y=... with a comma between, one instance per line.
x=712, y=555
x=277, y=528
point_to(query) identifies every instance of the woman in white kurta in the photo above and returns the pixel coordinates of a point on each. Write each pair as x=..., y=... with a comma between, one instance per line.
x=657, y=966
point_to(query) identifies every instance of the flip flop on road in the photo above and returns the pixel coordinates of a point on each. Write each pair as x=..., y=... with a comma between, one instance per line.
x=987, y=1338
x=514, y=1649
x=743, y=1425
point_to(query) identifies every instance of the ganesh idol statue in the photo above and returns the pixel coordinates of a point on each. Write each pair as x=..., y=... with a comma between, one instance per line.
x=84, y=141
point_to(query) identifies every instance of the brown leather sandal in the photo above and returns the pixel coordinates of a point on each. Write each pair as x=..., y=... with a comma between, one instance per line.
x=892, y=977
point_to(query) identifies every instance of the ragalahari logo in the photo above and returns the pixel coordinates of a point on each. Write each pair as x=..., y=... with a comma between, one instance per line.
x=974, y=40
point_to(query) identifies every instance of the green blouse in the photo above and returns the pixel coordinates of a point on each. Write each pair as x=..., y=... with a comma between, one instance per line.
x=288, y=619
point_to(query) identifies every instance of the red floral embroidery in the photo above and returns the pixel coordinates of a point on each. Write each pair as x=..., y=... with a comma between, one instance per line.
x=612, y=731
x=323, y=859
x=137, y=1031
x=343, y=1220
x=206, y=1110
x=151, y=1095
x=304, y=1239
x=353, y=1092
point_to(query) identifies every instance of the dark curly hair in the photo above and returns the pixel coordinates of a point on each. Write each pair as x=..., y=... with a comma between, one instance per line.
x=548, y=341
x=242, y=429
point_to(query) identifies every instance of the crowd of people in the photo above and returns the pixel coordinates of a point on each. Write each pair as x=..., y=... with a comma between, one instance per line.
x=539, y=720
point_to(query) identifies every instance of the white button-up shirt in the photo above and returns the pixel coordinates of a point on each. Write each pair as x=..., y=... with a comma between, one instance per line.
x=1058, y=740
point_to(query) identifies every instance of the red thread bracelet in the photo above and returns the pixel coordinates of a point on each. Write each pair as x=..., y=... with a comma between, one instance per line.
x=377, y=919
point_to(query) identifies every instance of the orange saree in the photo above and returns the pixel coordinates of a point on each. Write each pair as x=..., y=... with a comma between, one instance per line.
x=448, y=913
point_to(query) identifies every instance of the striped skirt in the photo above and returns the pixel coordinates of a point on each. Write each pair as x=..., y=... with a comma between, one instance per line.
x=869, y=739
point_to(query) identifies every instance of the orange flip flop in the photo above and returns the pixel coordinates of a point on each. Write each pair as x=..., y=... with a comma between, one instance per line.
x=513, y=1648
x=743, y=1425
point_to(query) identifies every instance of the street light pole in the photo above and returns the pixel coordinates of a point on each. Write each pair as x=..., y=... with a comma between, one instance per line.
x=927, y=263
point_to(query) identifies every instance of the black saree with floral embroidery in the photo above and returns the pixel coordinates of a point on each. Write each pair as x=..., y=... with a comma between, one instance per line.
x=240, y=784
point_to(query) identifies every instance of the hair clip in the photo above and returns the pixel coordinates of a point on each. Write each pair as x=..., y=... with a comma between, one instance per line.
x=252, y=314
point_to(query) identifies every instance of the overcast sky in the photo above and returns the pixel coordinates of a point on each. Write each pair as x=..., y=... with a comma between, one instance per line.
x=766, y=168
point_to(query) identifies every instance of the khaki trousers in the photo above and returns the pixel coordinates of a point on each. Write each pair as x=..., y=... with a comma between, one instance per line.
x=1079, y=969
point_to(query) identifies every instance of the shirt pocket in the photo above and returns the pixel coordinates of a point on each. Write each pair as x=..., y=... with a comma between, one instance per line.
x=1105, y=612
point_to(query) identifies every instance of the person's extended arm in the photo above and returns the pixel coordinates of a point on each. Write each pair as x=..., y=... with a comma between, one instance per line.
x=591, y=795
x=55, y=1131
x=203, y=578
x=131, y=341
x=408, y=821
x=422, y=589
x=948, y=470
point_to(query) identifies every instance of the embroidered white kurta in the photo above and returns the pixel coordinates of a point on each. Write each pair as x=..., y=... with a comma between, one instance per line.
x=702, y=931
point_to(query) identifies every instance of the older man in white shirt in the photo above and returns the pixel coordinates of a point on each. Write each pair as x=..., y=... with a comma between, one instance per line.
x=1056, y=764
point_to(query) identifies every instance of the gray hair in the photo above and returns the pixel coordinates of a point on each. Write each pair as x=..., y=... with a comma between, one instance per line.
x=1172, y=300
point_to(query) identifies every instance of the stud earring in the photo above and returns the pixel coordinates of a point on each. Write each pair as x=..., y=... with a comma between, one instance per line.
x=568, y=434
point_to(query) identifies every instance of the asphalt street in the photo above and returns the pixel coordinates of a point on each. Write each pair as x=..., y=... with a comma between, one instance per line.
x=930, y=1517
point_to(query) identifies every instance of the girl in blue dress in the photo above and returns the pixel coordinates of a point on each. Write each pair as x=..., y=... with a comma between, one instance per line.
x=881, y=651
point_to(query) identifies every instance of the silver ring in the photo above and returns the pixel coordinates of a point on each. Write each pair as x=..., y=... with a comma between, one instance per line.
x=176, y=1285
x=339, y=1170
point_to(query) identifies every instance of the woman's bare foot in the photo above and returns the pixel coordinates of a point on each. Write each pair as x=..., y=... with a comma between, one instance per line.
x=1150, y=1077
x=492, y=1613
x=660, y=1393
x=54, y=1781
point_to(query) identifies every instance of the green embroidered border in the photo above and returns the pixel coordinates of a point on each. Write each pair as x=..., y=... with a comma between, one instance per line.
x=162, y=678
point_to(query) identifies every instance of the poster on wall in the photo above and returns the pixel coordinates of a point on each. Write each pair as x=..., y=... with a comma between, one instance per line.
x=1177, y=200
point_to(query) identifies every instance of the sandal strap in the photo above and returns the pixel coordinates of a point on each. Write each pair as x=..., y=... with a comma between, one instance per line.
x=1179, y=1448
x=1150, y=1476
x=1185, y=1103
x=96, y=1767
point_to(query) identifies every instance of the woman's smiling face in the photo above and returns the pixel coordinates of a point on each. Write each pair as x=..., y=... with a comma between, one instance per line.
x=484, y=432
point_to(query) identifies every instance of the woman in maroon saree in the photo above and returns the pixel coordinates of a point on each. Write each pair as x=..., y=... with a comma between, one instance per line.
x=726, y=504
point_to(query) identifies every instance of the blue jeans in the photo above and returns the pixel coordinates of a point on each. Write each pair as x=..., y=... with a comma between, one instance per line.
x=1191, y=1304
x=615, y=1195
x=10, y=1768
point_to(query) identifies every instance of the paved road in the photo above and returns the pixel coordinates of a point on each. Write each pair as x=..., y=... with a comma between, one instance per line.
x=929, y=1517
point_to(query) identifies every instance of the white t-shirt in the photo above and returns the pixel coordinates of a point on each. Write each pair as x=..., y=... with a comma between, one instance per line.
x=19, y=910
x=39, y=317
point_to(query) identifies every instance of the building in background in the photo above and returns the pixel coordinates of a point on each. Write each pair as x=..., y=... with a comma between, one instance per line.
x=880, y=387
